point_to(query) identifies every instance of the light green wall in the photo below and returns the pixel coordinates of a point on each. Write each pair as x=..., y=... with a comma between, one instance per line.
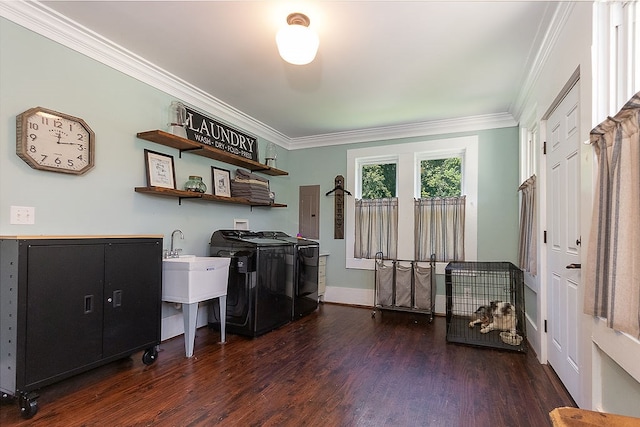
x=117, y=106
x=497, y=198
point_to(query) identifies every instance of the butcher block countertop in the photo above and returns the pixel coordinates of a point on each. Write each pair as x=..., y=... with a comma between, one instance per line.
x=576, y=417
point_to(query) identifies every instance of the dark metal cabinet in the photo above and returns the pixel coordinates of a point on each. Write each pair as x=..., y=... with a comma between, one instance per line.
x=75, y=304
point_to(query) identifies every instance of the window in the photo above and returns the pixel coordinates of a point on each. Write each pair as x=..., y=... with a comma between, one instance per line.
x=441, y=177
x=439, y=210
x=378, y=180
x=376, y=209
x=616, y=55
x=407, y=160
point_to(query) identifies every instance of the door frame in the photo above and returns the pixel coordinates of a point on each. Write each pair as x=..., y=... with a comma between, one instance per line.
x=586, y=189
x=543, y=271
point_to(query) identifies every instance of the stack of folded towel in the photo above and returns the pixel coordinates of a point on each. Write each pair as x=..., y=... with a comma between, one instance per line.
x=250, y=186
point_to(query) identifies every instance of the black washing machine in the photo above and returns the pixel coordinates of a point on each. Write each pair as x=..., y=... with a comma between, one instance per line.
x=303, y=272
x=258, y=298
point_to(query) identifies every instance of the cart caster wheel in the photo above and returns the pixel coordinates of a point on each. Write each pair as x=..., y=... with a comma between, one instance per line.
x=28, y=407
x=150, y=356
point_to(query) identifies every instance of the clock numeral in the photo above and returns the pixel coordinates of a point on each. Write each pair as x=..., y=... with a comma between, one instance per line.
x=33, y=126
x=44, y=157
x=80, y=137
x=70, y=163
x=33, y=136
x=57, y=124
x=57, y=161
x=80, y=158
x=45, y=121
x=32, y=149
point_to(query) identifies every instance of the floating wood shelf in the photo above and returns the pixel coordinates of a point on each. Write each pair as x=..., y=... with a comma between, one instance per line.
x=186, y=145
x=183, y=194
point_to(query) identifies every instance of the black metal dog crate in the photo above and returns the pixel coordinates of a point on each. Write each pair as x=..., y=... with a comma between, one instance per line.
x=471, y=285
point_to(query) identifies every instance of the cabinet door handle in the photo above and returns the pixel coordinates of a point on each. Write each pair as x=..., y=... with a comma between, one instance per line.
x=88, y=304
x=117, y=298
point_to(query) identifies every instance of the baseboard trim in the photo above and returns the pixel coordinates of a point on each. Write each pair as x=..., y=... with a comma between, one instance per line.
x=365, y=298
x=173, y=325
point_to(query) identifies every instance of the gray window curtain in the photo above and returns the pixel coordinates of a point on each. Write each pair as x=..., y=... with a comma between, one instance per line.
x=528, y=242
x=612, y=280
x=376, y=227
x=439, y=226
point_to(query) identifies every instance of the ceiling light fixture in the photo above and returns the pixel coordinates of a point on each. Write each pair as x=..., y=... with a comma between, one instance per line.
x=297, y=43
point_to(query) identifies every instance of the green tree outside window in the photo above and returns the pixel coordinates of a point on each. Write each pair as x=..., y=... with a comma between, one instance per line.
x=441, y=177
x=379, y=181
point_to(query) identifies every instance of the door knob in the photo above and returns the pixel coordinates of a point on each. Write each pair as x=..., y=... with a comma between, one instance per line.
x=574, y=266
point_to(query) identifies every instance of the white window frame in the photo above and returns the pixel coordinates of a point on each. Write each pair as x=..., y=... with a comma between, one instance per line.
x=376, y=160
x=408, y=187
x=616, y=58
x=438, y=155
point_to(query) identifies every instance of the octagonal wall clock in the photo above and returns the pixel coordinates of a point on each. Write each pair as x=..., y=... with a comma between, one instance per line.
x=52, y=141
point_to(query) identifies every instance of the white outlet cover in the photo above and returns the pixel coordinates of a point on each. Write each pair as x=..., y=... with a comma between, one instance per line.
x=25, y=215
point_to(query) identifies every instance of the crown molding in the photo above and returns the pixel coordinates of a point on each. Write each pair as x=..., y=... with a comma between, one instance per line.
x=436, y=127
x=558, y=20
x=42, y=20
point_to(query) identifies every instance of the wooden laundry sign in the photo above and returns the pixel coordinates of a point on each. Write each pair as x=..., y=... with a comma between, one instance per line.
x=210, y=132
x=338, y=226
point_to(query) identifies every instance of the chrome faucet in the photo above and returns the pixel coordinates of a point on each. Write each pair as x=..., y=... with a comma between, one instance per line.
x=174, y=253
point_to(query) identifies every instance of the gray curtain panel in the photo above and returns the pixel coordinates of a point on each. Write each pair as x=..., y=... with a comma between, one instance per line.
x=528, y=242
x=376, y=228
x=612, y=280
x=439, y=226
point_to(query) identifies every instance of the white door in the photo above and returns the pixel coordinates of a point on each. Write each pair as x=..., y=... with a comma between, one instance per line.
x=563, y=241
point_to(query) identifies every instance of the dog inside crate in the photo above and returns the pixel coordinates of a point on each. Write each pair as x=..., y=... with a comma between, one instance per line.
x=485, y=304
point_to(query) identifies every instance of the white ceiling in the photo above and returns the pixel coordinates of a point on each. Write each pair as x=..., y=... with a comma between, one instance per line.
x=380, y=63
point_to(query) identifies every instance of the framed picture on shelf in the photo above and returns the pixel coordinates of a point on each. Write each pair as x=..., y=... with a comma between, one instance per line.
x=160, y=170
x=221, y=182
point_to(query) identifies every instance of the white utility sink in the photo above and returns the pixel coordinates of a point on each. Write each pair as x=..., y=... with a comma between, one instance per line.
x=191, y=279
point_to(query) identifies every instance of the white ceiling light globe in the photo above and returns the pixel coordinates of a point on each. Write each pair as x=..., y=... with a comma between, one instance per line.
x=297, y=43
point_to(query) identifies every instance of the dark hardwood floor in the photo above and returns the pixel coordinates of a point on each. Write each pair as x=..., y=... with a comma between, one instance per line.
x=335, y=367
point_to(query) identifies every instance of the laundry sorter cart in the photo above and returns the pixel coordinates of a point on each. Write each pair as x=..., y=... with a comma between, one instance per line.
x=404, y=285
x=471, y=285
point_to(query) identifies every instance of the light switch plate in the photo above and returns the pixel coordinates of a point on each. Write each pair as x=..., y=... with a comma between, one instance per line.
x=25, y=215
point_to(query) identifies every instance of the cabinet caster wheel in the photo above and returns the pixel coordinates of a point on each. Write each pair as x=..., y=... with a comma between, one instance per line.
x=28, y=406
x=150, y=356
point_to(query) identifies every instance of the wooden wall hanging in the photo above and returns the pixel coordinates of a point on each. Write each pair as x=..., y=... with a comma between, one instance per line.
x=338, y=203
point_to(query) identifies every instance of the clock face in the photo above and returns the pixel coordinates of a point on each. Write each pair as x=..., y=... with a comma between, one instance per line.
x=53, y=141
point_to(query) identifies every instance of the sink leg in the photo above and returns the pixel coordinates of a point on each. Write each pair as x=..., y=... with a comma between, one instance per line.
x=222, y=301
x=189, y=316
